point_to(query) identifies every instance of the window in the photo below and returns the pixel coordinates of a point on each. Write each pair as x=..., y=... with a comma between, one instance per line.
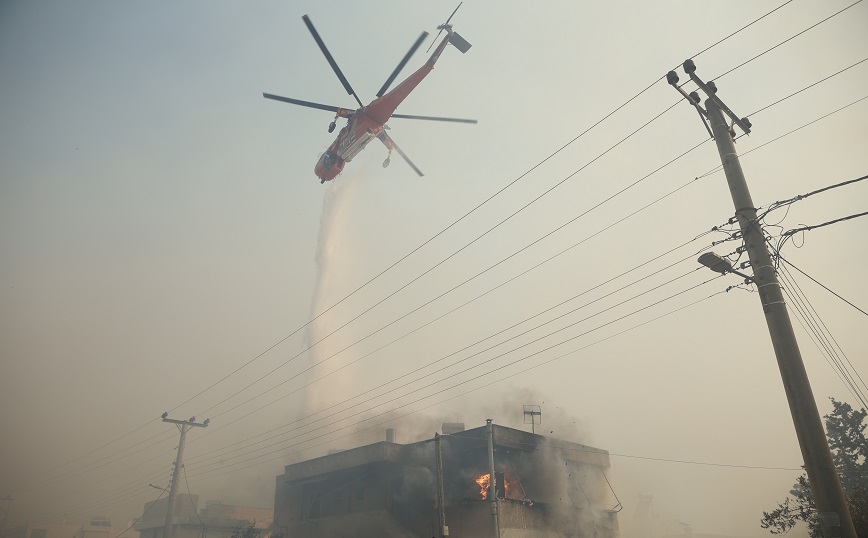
x=311, y=501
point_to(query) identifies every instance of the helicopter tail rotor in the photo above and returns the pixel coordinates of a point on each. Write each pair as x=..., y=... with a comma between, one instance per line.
x=459, y=42
x=445, y=26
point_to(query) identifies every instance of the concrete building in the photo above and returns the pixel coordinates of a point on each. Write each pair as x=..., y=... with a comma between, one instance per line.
x=215, y=520
x=97, y=527
x=546, y=488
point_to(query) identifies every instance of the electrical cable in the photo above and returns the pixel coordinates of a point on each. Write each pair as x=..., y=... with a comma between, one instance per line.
x=142, y=516
x=787, y=40
x=635, y=212
x=666, y=460
x=520, y=372
x=105, y=462
x=430, y=239
x=459, y=219
x=820, y=284
x=479, y=341
x=457, y=384
x=809, y=228
x=812, y=328
x=190, y=496
x=444, y=260
x=556, y=229
x=824, y=330
x=738, y=31
x=719, y=168
x=478, y=353
x=807, y=87
x=820, y=340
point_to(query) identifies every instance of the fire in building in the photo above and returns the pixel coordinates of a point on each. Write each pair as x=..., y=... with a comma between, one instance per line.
x=543, y=487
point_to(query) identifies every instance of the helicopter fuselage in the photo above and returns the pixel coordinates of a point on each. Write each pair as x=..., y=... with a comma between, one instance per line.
x=369, y=122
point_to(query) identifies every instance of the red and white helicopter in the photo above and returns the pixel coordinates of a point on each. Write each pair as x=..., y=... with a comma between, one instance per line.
x=368, y=122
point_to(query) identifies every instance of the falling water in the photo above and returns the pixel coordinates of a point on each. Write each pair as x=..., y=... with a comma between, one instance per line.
x=333, y=230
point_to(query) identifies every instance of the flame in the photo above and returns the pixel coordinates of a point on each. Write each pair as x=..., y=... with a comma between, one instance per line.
x=484, y=482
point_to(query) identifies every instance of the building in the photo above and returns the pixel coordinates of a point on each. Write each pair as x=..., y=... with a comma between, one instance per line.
x=97, y=527
x=546, y=488
x=216, y=520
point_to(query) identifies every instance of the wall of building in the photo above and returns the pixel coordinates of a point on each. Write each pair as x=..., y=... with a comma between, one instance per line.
x=62, y=530
x=554, y=489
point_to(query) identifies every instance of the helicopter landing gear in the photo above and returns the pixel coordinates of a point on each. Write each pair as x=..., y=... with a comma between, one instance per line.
x=332, y=126
x=386, y=162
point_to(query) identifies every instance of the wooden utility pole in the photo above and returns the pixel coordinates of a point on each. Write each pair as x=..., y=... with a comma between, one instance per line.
x=183, y=427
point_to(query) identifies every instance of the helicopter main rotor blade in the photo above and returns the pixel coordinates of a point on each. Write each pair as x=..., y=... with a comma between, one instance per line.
x=433, y=118
x=331, y=60
x=401, y=65
x=441, y=29
x=390, y=143
x=299, y=102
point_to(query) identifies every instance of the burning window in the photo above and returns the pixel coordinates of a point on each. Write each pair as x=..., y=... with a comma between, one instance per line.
x=506, y=486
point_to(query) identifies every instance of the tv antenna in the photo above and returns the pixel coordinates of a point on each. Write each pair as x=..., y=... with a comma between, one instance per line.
x=531, y=412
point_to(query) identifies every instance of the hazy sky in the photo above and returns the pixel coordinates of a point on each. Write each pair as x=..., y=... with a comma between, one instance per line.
x=161, y=227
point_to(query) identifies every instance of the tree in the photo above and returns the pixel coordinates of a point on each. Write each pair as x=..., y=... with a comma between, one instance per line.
x=250, y=531
x=845, y=429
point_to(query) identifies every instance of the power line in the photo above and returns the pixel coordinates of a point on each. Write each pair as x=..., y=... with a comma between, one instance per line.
x=429, y=240
x=610, y=280
x=816, y=328
x=808, y=87
x=740, y=29
x=417, y=370
x=520, y=372
x=515, y=253
x=447, y=258
x=640, y=93
x=141, y=517
x=496, y=194
x=788, y=39
x=666, y=460
x=820, y=283
x=604, y=118
x=815, y=226
x=719, y=168
x=503, y=366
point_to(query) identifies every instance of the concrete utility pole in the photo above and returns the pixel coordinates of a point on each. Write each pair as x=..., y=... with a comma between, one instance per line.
x=492, y=486
x=8, y=500
x=441, y=497
x=183, y=427
x=826, y=487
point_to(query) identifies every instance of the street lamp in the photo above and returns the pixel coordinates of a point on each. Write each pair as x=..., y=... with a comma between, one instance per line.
x=721, y=265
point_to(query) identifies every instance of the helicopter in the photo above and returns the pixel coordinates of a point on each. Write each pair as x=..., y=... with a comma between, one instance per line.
x=369, y=122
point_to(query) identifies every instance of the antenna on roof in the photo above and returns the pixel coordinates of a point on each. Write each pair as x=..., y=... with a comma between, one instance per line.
x=530, y=414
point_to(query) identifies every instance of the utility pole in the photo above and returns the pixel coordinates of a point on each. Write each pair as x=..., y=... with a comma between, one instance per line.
x=183, y=427
x=8, y=500
x=492, y=486
x=832, y=509
x=441, y=508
